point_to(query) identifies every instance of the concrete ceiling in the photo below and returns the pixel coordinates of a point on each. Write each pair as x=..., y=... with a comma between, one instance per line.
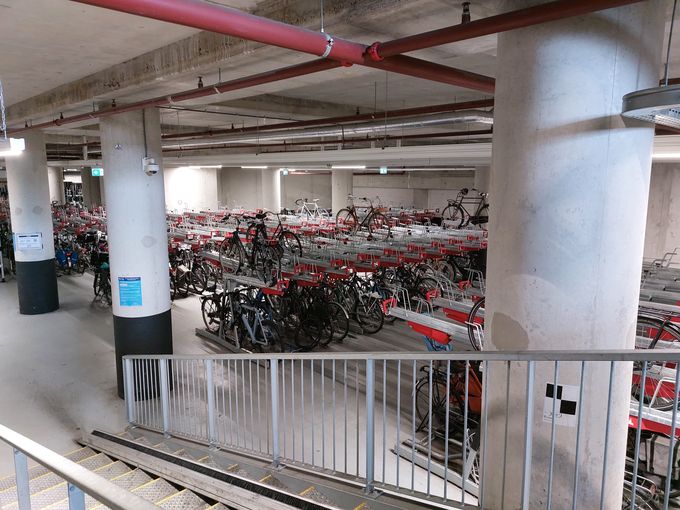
x=58, y=56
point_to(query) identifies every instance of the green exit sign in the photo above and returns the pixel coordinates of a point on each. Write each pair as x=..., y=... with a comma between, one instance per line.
x=97, y=172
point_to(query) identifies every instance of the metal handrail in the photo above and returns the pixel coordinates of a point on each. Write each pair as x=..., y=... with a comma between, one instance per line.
x=564, y=355
x=80, y=480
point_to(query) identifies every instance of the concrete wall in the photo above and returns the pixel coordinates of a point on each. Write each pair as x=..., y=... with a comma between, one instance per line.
x=191, y=188
x=308, y=186
x=663, y=213
x=419, y=188
x=241, y=187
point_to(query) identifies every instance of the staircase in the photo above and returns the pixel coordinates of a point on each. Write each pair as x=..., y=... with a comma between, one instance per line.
x=179, y=475
x=49, y=491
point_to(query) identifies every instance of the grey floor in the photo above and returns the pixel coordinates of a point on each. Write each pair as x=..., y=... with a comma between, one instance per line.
x=57, y=372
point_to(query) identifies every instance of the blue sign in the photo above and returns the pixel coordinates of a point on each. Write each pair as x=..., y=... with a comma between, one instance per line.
x=130, y=290
x=97, y=172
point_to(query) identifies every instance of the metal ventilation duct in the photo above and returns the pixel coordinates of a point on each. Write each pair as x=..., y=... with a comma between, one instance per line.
x=658, y=105
x=357, y=129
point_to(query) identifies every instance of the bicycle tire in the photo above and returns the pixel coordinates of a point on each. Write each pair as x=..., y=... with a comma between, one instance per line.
x=340, y=320
x=346, y=221
x=210, y=311
x=454, y=213
x=482, y=216
x=377, y=226
x=198, y=279
x=290, y=243
x=267, y=264
x=475, y=340
x=309, y=333
x=231, y=256
x=370, y=315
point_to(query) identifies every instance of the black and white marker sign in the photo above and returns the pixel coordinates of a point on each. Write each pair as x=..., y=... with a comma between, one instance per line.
x=566, y=404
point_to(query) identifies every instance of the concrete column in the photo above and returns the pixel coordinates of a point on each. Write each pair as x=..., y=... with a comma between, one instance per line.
x=421, y=198
x=663, y=214
x=31, y=216
x=270, y=191
x=102, y=189
x=86, y=179
x=569, y=184
x=56, y=183
x=138, y=244
x=482, y=177
x=95, y=191
x=342, y=184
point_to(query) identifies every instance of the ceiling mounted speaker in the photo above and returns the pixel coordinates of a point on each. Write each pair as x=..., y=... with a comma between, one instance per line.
x=658, y=105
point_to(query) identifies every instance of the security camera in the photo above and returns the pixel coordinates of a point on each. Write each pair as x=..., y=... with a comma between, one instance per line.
x=150, y=166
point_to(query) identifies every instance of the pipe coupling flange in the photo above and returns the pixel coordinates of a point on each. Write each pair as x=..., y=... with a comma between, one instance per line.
x=373, y=52
x=329, y=46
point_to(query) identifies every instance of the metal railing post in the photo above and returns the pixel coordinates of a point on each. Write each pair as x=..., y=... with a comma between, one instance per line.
x=165, y=395
x=370, y=424
x=129, y=389
x=76, y=498
x=210, y=392
x=21, y=473
x=274, y=375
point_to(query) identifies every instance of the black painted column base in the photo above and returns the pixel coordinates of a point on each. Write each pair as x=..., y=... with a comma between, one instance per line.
x=37, y=285
x=141, y=335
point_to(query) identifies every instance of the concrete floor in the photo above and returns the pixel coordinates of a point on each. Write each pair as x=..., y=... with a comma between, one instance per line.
x=57, y=371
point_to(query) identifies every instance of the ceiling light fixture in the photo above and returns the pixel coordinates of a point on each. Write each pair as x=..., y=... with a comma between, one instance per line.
x=255, y=167
x=348, y=167
x=12, y=147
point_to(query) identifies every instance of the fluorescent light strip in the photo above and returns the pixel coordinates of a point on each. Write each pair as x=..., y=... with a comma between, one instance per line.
x=348, y=167
x=255, y=167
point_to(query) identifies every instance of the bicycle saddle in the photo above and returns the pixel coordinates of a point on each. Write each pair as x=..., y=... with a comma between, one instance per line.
x=261, y=216
x=464, y=191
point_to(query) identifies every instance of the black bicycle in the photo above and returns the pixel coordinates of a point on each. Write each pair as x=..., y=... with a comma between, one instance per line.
x=457, y=214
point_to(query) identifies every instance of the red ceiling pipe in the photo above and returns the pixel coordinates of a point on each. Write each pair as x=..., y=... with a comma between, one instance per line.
x=494, y=24
x=406, y=112
x=229, y=21
x=240, y=83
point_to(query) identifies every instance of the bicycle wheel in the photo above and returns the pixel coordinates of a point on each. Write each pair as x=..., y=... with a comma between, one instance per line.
x=482, y=216
x=340, y=321
x=379, y=227
x=231, y=256
x=438, y=397
x=370, y=315
x=309, y=334
x=346, y=221
x=198, y=279
x=182, y=283
x=210, y=311
x=474, y=317
x=267, y=262
x=212, y=276
x=290, y=243
x=453, y=213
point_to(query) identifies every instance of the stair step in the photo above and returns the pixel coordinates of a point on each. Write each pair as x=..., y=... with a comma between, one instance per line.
x=50, y=480
x=59, y=492
x=272, y=481
x=315, y=495
x=9, y=482
x=238, y=471
x=183, y=500
x=155, y=491
x=219, y=506
x=132, y=479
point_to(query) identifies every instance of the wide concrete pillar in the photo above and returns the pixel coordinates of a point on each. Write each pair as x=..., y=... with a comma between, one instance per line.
x=31, y=216
x=95, y=191
x=482, y=178
x=56, y=184
x=138, y=244
x=270, y=189
x=569, y=184
x=342, y=184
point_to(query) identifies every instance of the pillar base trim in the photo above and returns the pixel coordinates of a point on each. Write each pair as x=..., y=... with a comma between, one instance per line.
x=141, y=335
x=37, y=286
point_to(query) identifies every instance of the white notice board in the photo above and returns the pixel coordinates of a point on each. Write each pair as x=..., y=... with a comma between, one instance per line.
x=28, y=242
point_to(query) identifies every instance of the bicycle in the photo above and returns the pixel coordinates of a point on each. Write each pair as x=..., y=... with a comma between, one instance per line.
x=288, y=241
x=456, y=212
x=310, y=210
x=264, y=257
x=374, y=222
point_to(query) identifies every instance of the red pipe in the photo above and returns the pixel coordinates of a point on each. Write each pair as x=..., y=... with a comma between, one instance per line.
x=241, y=83
x=494, y=24
x=406, y=112
x=229, y=21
